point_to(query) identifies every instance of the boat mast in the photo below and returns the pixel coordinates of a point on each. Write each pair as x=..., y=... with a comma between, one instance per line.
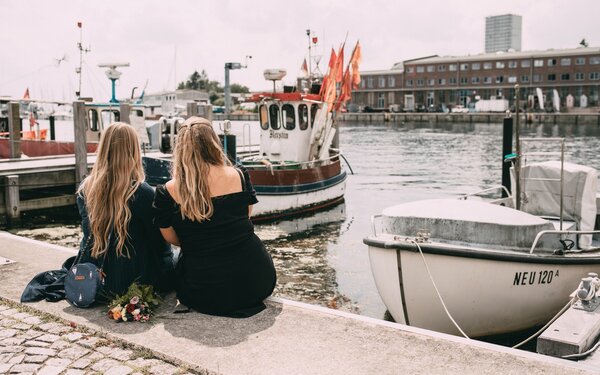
x=518, y=152
x=309, y=56
x=81, y=52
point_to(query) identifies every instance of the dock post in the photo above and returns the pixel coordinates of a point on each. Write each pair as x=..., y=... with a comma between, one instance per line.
x=507, y=138
x=124, y=111
x=192, y=109
x=14, y=130
x=80, y=138
x=52, y=132
x=13, y=210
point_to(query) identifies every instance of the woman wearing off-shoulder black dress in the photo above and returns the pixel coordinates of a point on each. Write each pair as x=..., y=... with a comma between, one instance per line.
x=224, y=269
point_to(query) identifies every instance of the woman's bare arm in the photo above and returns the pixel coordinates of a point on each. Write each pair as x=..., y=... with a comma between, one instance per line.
x=170, y=236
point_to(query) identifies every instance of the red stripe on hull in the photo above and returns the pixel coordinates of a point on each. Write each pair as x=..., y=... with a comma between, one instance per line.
x=286, y=177
x=34, y=148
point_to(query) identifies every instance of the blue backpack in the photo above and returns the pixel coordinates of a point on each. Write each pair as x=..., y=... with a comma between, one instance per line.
x=84, y=281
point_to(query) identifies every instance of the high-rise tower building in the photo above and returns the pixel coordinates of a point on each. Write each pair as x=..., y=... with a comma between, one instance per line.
x=502, y=33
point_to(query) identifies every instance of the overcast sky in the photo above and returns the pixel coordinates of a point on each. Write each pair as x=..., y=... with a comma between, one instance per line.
x=165, y=41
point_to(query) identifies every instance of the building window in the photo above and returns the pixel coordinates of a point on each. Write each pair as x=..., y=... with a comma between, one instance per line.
x=537, y=78
x=565, y=61
x=551, y=77
x=430, y=68
x=464, y=80
x=391, y=81
x=499, y=79
x=464, y=67
x=487, y=80
x=370, y=82
x=580, y=61
x=452, y=80
x=594, y=76
x=512, y=79
x=420, y=69
x=362, y=84
x=441, y=68
x=442, y=81
x=500, y=64
x=420, y=82
x=409, y=83
x=475, y=66
x=381, y=82
x=538, y=63
x=381, y=100
x=431, y=82
x=410, y=69
x=474, y=79
x=487, y=65
x=512, y=64
x=452, y=67
x=551, y=62
x=579, y=76
x=565, y=77
x=595, y=60
x=525, y=63
x=525, y=78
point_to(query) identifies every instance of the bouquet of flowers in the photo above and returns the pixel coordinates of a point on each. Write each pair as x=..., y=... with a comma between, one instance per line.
x=135, y=305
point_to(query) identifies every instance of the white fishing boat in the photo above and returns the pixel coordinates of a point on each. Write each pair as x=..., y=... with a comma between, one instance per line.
x=482, y=267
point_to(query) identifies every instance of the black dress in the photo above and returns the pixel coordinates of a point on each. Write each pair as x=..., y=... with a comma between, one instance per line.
x=151, y=259
x=224, y=268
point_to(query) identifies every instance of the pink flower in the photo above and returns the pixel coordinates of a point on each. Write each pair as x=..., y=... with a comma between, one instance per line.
x=134, y=300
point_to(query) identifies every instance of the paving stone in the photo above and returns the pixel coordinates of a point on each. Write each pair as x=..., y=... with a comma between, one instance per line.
x=11, y=341
x=73, y=336
x=31, y=334
x=4, y=367
x=11, y=349
x=5, y=357
x=95, y=356
x=50, y=370
x=60, y=330
x=106, y=350
x=74, y=372
x=49, y=338
x=59, y=362
x=143, y=362
x=25, y=367
x=35, y=358
x=121, y=354
x=81, y=363
x=73, y=352
x=32, y=320
x=17, y=359
x=3, y=307
x=22, y=326
x=119, y=370
x=49, y=326
x=7, y=322
x=163, y=369
x=39, y=344
x=104, y=364
x=22, y=315
x=89, y=342
x=7, y=332
x=9, y=312
x=60, y=345
x=40, y=351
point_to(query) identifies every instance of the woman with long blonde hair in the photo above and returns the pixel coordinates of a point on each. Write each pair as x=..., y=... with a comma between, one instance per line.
x=224, y=268
x=116, y=216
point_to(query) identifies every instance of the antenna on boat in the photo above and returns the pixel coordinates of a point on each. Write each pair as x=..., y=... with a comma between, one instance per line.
x=518, y=152
x=113, y=74
x=82, y=50
x=274, y=75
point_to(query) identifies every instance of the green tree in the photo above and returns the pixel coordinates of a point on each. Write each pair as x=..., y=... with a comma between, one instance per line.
x=236, y=88
x=200, y=81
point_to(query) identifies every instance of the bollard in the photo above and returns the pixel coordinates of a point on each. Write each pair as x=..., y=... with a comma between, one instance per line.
x=13, y=209
x=205, y=110
x=14, y=130
x=80, y=140
x=124, y=110
x=52, y=133
x=192, y=109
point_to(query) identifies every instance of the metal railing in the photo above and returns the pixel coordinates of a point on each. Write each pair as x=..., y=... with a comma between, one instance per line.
x=561, y=232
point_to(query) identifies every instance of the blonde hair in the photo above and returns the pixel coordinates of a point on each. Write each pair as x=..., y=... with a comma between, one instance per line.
x=196, y=149
x=116, y=175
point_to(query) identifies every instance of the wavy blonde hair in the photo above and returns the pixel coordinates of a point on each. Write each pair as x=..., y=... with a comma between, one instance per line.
x=196, y=149
x=115, y=177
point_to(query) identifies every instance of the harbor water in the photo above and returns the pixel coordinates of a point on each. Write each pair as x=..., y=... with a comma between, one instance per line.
x=321, y=258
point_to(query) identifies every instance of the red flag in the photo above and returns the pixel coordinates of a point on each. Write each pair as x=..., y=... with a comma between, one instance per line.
x=304, y=68
x=355, y=60
x=339, y=69
x=79, y=24
x=345, y=91
x=26, y=95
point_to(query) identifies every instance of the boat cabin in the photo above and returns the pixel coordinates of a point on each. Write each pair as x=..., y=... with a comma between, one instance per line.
x=100, y=115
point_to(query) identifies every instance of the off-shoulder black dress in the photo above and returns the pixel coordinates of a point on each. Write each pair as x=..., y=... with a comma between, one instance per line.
x=224, y=268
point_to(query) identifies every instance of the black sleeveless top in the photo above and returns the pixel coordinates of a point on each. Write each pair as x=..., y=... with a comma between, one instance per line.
x=224, y=269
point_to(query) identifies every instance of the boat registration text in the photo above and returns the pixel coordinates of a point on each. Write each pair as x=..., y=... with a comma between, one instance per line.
x=535, y=277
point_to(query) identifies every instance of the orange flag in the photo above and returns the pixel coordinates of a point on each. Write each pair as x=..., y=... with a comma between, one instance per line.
x=345, y=91
x=355, y=62
x=304, y=68
x=339, y=69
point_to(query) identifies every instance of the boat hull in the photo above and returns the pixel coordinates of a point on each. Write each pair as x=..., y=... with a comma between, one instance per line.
x=487, y=292
x=34, y=148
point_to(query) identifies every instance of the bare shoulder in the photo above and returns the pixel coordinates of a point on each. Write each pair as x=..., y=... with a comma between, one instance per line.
x=170, y=186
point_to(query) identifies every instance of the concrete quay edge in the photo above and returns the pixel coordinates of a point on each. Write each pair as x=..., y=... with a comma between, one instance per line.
x=289, y=337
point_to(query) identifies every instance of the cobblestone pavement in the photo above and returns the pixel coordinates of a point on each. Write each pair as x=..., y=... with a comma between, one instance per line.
x=31, y=343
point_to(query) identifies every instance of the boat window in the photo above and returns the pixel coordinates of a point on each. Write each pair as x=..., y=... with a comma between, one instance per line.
x=93, y=119
x=274, y=116
x=109, y=116
x=313, y=114
x=138, y=112
x=288, y=116
x=303, y=116
x=263, y=117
